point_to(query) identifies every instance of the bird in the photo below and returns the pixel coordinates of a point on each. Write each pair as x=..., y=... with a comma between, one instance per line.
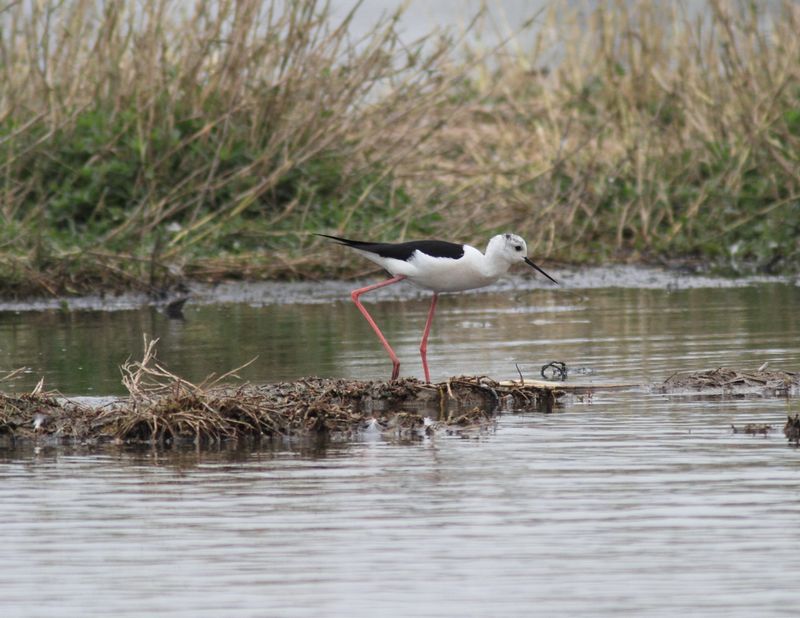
x=439, y=266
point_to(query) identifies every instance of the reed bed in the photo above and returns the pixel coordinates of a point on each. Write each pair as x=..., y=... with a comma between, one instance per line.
x=144, y=143
x=641, y=130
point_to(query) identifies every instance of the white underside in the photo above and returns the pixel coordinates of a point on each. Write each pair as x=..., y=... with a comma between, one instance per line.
x=472, y=270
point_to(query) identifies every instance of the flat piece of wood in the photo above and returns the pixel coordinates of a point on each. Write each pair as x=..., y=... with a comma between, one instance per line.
x=571, y=386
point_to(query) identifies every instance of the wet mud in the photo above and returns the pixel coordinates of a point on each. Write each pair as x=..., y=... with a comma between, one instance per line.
x=264, y=293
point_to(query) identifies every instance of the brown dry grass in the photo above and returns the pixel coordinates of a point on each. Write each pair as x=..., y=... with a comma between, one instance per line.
x=639, y=128
x=141, y=144
x=164, y=409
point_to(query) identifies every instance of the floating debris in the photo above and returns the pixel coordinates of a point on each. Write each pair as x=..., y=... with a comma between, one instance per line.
x=165, y=409
x=555, y=371
x=753, y=429
x=728, y=380
x=792, y=429
x=186, y=413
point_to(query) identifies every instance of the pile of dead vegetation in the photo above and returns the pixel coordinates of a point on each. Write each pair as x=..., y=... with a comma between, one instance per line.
x=165, y=409
x=728, y=380
x=792, y=429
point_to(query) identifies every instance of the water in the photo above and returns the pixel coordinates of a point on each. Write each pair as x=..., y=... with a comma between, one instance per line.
x=629, y=503
x=642, y=333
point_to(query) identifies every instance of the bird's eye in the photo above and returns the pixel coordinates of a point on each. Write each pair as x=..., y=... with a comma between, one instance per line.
x=517, y=247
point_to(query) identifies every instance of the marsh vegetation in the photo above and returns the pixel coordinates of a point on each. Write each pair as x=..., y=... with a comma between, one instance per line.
x=142, y=143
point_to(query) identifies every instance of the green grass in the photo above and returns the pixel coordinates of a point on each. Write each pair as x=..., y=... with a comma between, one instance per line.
x=143, y=145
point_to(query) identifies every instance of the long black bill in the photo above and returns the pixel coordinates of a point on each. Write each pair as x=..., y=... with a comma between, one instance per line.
x=530, y=263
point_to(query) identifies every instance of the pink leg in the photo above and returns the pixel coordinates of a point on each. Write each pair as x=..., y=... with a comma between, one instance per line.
x=354, y=295
x=423, y=347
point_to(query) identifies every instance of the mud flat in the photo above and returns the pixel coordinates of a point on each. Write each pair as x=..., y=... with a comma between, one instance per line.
x=265, y=293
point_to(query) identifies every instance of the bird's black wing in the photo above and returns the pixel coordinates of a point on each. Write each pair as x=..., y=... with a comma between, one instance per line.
x=404, y=250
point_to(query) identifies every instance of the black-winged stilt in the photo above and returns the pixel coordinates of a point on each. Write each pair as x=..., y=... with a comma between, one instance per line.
x=438, y=266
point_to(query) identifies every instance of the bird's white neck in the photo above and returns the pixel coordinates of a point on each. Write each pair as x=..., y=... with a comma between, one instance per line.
x=493, y=265
x=494, y=268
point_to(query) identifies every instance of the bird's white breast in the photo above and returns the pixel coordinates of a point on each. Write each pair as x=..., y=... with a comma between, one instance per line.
x=448, y=274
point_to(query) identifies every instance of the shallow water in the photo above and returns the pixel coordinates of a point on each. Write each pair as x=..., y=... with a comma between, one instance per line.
x=621, y=504
x=656, y=325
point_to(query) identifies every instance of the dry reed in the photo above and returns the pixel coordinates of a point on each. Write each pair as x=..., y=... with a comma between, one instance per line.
x=141, y=144
x=163, y=408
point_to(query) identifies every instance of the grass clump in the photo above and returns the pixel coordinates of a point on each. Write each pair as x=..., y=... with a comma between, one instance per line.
x=152, y=137
x=644, y=130
x=146, y=142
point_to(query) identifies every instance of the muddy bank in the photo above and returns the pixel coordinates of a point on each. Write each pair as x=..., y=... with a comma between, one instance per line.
x=264, y=293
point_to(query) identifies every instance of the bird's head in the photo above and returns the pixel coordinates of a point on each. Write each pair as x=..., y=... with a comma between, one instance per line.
x=512, y=249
